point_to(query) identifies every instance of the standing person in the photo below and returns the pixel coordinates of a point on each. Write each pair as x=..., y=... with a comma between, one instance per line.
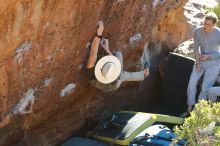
x=207, y=54
x=107, y=73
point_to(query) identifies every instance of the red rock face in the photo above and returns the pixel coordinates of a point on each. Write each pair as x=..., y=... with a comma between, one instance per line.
x=174, y=24
x=45, y=97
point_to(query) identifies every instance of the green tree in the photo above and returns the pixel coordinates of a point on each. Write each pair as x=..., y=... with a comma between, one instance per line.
x=200, y=118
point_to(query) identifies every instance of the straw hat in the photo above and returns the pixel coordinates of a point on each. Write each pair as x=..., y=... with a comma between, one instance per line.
x=107, y=69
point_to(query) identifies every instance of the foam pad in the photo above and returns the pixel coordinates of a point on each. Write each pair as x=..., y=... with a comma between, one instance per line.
x=77, y=141
x=122, y=128
x=175, y=82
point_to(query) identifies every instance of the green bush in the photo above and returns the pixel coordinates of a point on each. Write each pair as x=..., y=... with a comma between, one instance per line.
x=203, y=114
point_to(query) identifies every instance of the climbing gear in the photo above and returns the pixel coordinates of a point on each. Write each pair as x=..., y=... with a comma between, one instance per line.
x=156, y=135
x=124, y=126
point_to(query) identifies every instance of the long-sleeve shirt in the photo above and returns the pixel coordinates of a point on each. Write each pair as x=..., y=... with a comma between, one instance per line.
x=207, y=43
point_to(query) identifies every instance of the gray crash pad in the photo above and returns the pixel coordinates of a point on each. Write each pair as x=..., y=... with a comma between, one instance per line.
x=78, y=141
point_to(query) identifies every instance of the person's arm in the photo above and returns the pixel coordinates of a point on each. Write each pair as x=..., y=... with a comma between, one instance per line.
x=196, y=47
x=214, y=56
x=95, y=45
x=105, y=45
x=197, y=52
x=146, y=72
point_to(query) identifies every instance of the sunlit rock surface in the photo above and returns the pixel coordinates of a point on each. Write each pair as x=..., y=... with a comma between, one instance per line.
x=195, y=13
x=44, y=94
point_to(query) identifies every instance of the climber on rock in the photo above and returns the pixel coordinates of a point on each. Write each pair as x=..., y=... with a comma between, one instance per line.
x=105, y=69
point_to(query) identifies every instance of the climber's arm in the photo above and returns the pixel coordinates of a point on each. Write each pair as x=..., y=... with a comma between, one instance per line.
x=95, y=45
x=105, y=45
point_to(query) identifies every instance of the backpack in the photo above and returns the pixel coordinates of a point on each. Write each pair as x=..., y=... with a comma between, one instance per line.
x=156, y=135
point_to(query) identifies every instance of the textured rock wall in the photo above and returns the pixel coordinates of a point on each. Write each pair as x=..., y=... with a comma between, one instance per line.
x=175, y=24
x=44, y=95
x=195, y=13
